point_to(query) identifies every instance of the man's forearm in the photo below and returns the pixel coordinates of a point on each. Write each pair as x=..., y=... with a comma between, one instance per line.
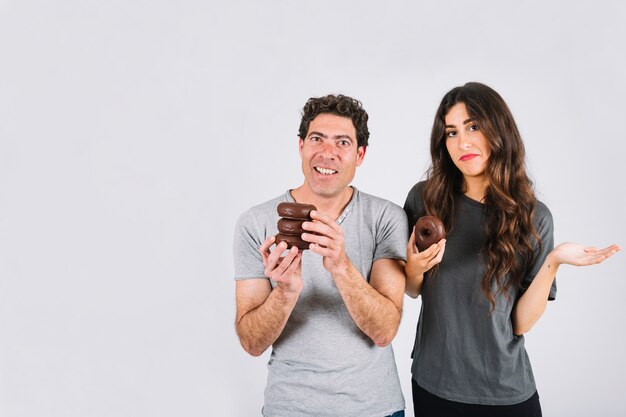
x=376, y=315
x=259, y=328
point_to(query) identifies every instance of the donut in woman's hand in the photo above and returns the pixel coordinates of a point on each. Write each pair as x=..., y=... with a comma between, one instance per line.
x=290, y=225
x=295, y=210
x=428, y=230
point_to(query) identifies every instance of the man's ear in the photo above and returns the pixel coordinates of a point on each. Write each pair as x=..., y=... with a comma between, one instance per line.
x=300, y=145
x=360, y=155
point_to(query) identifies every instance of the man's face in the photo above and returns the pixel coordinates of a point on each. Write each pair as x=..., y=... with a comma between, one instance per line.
x=330, y=154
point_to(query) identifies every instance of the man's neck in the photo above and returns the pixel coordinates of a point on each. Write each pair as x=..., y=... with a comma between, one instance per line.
x=331, y=205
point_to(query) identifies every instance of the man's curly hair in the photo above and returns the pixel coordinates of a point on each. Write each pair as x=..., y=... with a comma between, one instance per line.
x=341, y=106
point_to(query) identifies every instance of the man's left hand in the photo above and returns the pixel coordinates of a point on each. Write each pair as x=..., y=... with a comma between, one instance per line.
x=327, y=240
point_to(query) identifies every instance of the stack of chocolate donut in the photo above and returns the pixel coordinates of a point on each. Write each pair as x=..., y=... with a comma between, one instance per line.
x=290, y=224
x=428, y=231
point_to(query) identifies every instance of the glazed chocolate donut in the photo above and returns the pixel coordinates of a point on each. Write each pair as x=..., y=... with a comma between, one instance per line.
x=428, y=230
x=292, y=240
x=295, y=210
x=290, y=227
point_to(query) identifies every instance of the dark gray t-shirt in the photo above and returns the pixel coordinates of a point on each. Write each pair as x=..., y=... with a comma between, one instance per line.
x=462, y=351
x=323, y=364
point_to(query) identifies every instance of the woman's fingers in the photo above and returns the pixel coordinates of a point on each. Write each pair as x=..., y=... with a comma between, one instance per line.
x=410, y=246
x=576, y=254
x=439, y=257
x=602, y=254
x=435, y=249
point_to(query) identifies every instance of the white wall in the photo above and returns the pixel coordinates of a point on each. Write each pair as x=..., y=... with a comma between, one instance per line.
x=133, y=133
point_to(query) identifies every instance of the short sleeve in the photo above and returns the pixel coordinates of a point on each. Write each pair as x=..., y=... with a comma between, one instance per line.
x=391, y=235
x=246, y=242
x=545, y=229
x=413, y=205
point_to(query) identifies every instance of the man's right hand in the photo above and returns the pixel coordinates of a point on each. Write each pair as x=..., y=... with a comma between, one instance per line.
x=285, y=270
x=262, y=312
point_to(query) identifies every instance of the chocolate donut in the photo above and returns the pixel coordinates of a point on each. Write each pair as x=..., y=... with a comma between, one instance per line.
x=290, y=226
x=295, y=210
x=428, y=230
x=292, y=240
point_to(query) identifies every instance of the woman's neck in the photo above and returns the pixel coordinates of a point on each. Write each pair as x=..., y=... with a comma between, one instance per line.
x=476, y=187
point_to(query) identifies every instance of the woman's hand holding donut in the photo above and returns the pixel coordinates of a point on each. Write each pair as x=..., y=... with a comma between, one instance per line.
x=284, y=270
x=328, y=240
x=580, y=255
x=417, y=263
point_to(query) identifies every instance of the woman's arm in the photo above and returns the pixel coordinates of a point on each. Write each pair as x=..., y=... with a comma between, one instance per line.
x=417, y=263
x=532, y=303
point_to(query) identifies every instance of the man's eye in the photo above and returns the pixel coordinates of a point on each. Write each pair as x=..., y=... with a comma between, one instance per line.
x=344, y=143
x=314, y=138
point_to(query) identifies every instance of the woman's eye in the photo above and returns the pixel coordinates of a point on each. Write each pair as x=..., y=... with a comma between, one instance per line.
x=473, y=127
x=451, y=133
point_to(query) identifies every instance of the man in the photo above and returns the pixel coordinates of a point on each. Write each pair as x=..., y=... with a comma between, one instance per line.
x=329, y=312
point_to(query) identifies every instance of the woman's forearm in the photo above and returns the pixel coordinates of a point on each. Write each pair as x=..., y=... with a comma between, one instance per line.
x=413, y=286
x=532, y=303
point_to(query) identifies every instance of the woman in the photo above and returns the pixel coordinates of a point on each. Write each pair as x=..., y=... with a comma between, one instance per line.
x=499, y=266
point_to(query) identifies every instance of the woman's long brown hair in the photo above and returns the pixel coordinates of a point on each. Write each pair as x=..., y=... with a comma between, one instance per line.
x=510, y=199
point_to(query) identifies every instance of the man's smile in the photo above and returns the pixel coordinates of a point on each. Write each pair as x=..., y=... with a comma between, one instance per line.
x=325, y=171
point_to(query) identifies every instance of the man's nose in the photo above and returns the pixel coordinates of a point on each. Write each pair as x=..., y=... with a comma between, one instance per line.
x=328, y=150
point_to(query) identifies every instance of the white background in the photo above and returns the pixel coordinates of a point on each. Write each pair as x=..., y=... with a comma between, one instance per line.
x=133, y=133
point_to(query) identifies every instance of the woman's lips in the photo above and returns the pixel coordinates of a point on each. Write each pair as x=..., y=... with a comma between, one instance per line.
x=468, y=156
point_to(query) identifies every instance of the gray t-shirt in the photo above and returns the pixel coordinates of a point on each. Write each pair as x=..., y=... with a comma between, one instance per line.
x=323, y=364
x=463, y=352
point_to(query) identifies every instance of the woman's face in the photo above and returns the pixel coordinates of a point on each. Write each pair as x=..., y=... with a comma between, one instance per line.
x=466, y=144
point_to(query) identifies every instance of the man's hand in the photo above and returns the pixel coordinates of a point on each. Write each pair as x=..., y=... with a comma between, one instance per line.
x=286, y=270
x=327, y=240
x=375, y=306
x=262, y=312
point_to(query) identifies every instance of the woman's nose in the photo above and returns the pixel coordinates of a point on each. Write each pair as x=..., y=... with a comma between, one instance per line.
x=464, y=141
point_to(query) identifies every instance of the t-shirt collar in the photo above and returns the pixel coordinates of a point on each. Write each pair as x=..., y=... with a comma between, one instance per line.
x=344, y=213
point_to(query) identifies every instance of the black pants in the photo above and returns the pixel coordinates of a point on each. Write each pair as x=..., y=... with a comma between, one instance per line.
x=426, y=404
